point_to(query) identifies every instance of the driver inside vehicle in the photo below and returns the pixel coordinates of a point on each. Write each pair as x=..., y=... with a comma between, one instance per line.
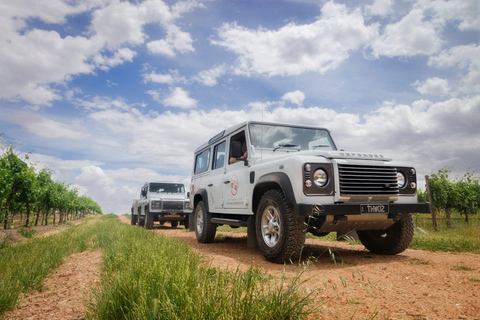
x=244, y=151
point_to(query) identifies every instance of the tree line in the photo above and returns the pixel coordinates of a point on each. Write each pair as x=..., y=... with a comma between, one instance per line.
x=453, y=196
x=24, y=190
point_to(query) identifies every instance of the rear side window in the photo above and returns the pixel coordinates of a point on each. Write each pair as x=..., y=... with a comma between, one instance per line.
x=219, y=155
x=201, y=161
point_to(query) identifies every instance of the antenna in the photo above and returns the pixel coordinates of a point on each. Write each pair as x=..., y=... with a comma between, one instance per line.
x=261, y=138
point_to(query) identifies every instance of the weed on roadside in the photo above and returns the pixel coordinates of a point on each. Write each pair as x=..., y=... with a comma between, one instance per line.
x=463, y=268
x=27, y=233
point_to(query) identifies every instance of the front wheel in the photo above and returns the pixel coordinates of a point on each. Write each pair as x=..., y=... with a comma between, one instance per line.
x=204, y=228
x=280, y=234
x=133, y=220
x=148, y=220
x=392, y=240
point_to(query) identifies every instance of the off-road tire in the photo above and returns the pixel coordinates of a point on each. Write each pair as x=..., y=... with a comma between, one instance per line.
x=174, y=224
x=148, y=220
x=134, y=218
x=390, y=241
x=280, y=234
x=204, y=228
x=185, y=222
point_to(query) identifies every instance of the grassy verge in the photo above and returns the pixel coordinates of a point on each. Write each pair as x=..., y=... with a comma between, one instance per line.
x=146, y=276
x=461, y=237
x=23, y=266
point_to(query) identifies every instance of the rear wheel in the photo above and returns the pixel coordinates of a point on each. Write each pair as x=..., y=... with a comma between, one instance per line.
x=174, y=224
x=140, y=218
x=204, y=228
x=392, y=240
x=280, y=234
x=185, y=222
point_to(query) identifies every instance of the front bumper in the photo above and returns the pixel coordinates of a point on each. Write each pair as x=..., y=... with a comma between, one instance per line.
x=170, y=216
x=170, y=213
x=306, y=210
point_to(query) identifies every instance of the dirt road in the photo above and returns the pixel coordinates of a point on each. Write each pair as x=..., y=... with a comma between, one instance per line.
x=355, y=285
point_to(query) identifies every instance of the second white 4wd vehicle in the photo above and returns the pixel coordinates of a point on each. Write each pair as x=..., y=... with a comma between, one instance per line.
x=161, y=201
x=281, y=181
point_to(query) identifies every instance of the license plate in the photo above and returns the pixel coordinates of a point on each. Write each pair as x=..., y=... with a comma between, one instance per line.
x=374, y=208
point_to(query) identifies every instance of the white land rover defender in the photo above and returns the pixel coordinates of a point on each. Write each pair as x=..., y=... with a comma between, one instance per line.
x=161, y=201
x=281, y=181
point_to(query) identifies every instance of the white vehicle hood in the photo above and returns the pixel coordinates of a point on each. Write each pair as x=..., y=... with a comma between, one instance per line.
x=166, y=196
x=330, y=154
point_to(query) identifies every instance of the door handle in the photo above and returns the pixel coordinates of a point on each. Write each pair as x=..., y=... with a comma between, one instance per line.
x=210, y=185
x=226, y=182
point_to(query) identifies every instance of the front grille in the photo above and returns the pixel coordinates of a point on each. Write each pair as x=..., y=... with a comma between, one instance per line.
x=363, y=180
x=173, y=205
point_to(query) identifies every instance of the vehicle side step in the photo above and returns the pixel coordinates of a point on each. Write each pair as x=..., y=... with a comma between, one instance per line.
x=230, y=222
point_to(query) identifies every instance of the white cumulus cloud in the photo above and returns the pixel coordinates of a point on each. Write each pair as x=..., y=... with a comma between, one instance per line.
x=179, y=98
x=433, y=86
x=296, y=49
x=467, y=61
x=294, y=97
x=47, y=128
x=209, y=77
x=413, y=35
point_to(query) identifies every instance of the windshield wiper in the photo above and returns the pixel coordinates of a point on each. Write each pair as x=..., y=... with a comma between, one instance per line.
x=320, y=146
x=286, y=145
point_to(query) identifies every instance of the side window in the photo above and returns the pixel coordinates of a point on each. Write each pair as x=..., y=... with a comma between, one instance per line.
x=219, y=155
x=201, y=161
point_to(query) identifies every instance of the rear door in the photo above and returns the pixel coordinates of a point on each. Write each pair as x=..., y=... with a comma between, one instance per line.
x=215, y=184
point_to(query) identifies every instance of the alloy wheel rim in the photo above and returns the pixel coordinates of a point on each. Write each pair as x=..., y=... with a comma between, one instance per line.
x=200, y=221
x=270, y=225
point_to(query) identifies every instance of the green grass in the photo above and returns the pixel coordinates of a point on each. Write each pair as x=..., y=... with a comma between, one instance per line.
x=23, y=266
x=463, y=268
x=147, y=276
x=461, y=237
x=226, y=228
x=27, y=233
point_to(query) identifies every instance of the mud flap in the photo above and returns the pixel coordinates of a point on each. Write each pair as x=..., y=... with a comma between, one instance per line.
x=251, y=235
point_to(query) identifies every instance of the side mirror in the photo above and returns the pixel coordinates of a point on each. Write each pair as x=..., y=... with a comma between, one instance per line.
x=188, y=194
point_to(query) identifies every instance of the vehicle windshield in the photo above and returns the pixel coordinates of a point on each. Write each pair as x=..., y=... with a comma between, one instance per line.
x=167, y=187
x=280, y=137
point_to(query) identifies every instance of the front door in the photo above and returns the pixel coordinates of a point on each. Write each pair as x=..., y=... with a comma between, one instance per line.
x=235, y=186
x=235, y=177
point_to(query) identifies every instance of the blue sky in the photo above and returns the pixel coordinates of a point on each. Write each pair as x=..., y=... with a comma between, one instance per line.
x=109, y=94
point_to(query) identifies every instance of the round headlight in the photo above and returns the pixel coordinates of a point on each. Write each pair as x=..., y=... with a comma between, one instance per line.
x=320, y=178
x=308, y=167
x=401, y=180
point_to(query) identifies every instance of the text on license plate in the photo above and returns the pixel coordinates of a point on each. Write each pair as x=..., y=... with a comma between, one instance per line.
x=374, y=208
